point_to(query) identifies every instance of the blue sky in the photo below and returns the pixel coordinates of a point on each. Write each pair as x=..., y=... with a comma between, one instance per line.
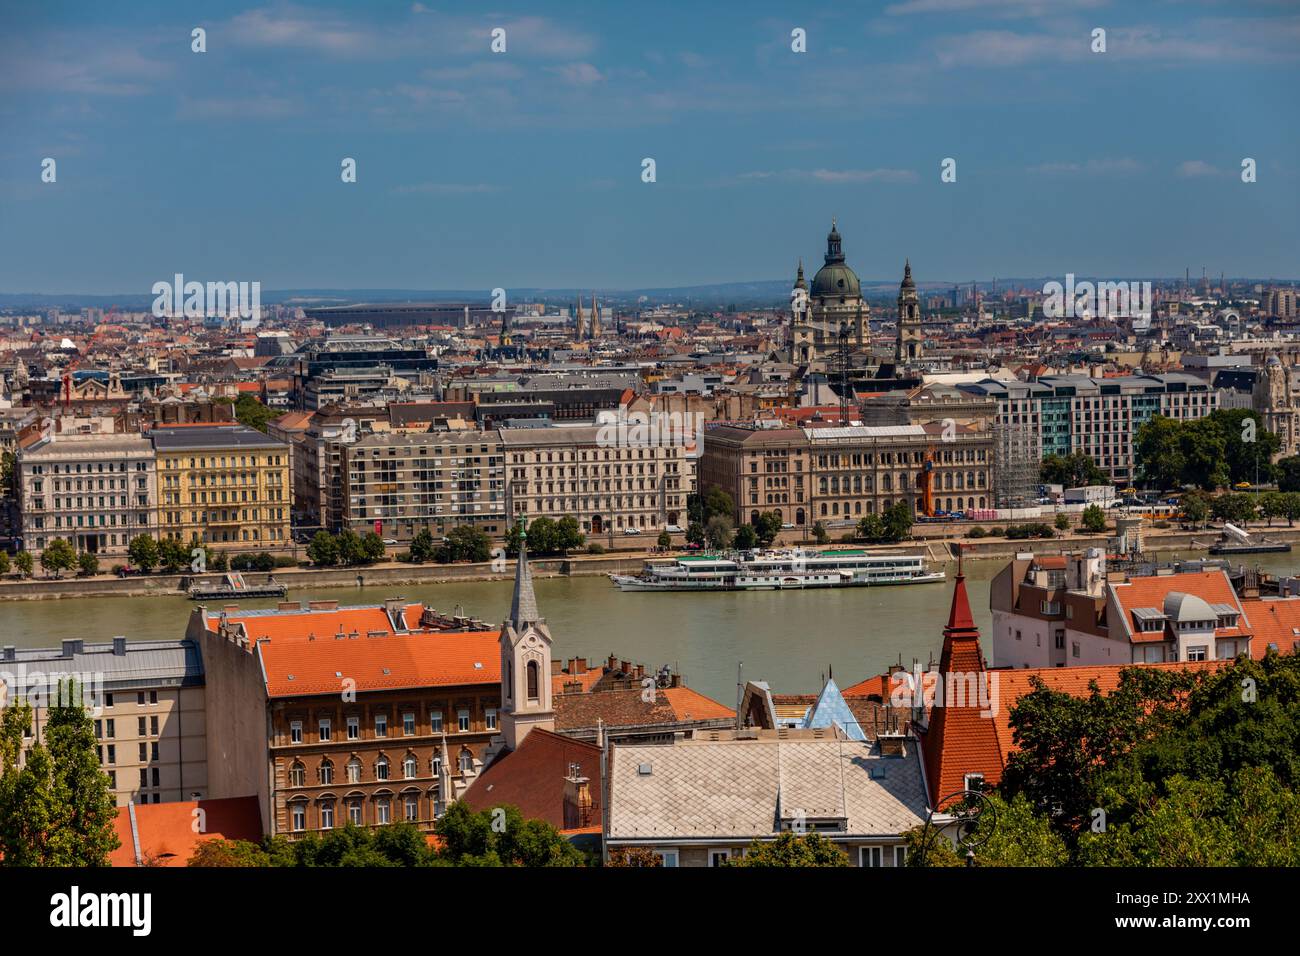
x=524, y=168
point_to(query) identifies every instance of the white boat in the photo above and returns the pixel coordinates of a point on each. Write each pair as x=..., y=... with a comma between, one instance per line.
x=780, y=570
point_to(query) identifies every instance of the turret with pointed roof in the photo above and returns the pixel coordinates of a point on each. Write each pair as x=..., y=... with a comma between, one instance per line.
x=525, y=658
x=961, y=736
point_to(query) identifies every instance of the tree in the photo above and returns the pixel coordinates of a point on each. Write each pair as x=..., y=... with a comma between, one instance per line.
x=820, y=534
x=23, y=563
x=719, y=532
x=871, y=527
x=1272, y=504
x=249, y=411
x=172, y=555
x=1288, y=474
x=1005, y=833
x=323, y=549
x=228, y=853
x=1249, y=448
x=643, y=856
x=791, y=849
x=500, y=836
x=1159, y=453
x=1062, y=522
x=58, y=557
x=350, y=551
x=897, y=520
x=746, y=538
x=143, y=552
x=1291, y=506
x=568, y=535
x=466, y=543
x=372, y=548
x=1234, y=507
x=542, y=534
x=422, y=546
x=718, y=502
x=695, y=533
x=1093, y=519
x=58, y=809
x=1195, y=506
x=768, y=527
x=28, y=810
x=83, y=834
x=87, y=564
x=1071, y=471
x=4, y=563
x=665, y=540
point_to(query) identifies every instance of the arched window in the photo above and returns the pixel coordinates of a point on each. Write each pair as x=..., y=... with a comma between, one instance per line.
x=297, y=775
x=410, y=767
x=381, y=768
x=354, y=770
x=326, y=772
x=533, y=683
x=467, y=759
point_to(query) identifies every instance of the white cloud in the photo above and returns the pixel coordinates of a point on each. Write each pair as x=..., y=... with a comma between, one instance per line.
x=579, y=74
x=1091, y=167
x=1196, y=167
x=1001, y=8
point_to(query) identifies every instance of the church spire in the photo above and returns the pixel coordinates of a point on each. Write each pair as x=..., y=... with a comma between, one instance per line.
x=523, y=606
x=834, y=246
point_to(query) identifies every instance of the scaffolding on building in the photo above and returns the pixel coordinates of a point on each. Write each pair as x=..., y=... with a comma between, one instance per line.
x=1016, y=454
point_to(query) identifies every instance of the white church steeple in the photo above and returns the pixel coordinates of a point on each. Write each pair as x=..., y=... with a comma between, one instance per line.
x=525, y=659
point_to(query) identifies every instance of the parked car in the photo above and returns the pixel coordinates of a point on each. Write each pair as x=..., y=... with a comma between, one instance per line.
x=631, y=531
x=390, y=541
x=674, y=529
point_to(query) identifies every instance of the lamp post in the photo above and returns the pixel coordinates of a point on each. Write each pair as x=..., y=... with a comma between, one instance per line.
x=971, y=806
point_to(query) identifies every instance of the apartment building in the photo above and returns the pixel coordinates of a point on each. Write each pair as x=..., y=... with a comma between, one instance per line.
x=147, y=701
x=610, y=478
x=1060, y=414
x=1068, y=611
x=366, y=715
x=96, y=490
x=223, y=484
x=398, y=484
x=838, y=474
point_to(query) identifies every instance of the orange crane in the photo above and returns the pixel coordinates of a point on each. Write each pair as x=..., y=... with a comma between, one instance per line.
x=927, y=483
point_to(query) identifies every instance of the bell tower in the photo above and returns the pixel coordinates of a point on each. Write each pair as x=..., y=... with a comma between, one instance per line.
x=907, y=348
x=525, y=659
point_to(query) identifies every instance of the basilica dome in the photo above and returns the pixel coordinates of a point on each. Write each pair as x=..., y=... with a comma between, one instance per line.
x=835, y=279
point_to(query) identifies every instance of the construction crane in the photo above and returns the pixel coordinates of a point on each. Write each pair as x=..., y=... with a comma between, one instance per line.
x=927, y=483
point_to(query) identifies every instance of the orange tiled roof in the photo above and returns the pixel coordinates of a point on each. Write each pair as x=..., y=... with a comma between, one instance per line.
x=689, y=704
x=1151, y=590
x=1275, y=621
x=532, y=777
x=310, y=652
x=167, y=833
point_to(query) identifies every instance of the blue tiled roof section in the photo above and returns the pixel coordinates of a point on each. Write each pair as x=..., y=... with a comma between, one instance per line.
x=831, y=708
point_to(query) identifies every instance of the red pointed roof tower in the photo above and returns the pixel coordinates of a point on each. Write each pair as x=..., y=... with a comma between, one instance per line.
x=960, y=740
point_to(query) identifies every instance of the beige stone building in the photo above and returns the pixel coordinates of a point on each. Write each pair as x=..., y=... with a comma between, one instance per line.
x=837, y=475
x=611, y=478
x=97, y=490
x=147, y=702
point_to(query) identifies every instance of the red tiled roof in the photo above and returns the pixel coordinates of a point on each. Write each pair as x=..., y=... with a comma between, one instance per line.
x=959, y=740
x=689, y=704
x=1213, y=587
x=167, y=830
x=532, y=777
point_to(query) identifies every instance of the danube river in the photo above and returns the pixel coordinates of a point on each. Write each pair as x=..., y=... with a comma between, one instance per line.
x=788, y=638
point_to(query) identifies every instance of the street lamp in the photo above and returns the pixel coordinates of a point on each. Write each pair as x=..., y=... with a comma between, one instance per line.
x=971, y=805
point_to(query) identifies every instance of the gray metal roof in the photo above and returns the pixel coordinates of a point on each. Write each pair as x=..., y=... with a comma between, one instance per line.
x=203, y=437
x=139, y=664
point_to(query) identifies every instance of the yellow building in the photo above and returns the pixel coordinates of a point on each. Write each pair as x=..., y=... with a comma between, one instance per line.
x=224, y=485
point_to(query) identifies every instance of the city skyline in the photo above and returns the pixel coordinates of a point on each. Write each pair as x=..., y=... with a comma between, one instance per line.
x=524, y=168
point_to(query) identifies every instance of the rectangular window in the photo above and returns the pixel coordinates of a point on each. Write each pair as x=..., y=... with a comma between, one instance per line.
x=408, y=724
x=324, y=728
x=668, y=857
x=412, y=809
x=382, y=812
x=381, y=725
x=354, y=728
x=490, y=717
x=872, y=856
x=435, y=720
x=295, y=731
x=327, y=816
x=462, y=720
x=299, y=817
